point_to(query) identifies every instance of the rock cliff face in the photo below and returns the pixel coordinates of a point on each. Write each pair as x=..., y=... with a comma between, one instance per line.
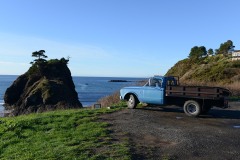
x=44, y=87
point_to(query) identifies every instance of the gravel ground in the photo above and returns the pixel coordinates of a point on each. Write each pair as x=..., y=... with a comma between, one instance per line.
x=167, y=133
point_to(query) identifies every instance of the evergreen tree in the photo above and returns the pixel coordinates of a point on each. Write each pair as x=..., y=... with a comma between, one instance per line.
x=210, y=51
x=224, y=47
x=40, y=56
x=197, y=52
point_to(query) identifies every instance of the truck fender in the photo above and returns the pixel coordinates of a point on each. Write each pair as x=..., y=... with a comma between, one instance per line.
x=127, y=96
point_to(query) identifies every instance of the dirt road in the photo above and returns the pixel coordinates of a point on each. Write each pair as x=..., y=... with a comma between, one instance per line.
x=167, y=133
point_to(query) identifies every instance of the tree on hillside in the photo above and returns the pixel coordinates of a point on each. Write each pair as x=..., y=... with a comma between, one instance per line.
x=203, y=51
x=210, y=51
x=40, y=56
x=197, y=52
x=224, y=47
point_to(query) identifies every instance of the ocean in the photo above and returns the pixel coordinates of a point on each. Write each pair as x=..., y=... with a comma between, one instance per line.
x=89, y=89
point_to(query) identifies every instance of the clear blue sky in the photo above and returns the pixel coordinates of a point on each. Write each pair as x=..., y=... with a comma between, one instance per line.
x=131, y=38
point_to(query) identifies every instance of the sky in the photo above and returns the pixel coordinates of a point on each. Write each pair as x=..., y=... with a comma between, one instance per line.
x=113, y=38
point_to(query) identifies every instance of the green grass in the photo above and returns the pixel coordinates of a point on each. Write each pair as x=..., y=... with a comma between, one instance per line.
x=66, y=134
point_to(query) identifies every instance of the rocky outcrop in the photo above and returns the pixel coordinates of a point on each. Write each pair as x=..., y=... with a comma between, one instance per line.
x=46, y=86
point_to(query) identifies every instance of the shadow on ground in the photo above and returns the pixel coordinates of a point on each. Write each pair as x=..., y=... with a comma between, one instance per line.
x=222, y=113
x=213, y=113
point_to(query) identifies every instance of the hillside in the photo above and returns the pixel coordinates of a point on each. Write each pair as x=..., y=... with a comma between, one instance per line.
x=215, y=70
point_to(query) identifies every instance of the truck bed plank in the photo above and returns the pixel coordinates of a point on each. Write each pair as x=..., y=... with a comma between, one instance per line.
x=195, y=91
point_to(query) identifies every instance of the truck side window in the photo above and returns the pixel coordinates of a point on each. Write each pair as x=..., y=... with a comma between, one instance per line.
x=156, y=83
x=148, y=83
x=153, y=82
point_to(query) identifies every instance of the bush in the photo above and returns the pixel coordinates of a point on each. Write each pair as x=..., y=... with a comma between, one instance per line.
x=236, y=64
x=110, y=100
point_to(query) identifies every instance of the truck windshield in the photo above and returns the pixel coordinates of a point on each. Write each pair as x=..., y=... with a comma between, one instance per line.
x=154, y=82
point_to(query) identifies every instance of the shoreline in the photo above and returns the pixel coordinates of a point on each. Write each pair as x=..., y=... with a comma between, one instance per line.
x=2, y=110
x=4, y=113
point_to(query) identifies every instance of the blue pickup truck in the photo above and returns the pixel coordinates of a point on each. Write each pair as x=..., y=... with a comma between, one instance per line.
x=162, y=90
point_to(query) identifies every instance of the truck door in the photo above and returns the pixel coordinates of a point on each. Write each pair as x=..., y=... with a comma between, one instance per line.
x=153, y=93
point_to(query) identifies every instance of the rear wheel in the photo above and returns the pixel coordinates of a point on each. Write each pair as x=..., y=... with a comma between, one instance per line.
x=132, y=102
x=192, y=108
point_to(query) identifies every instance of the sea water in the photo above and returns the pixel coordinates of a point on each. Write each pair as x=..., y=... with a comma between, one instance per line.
x=89, y=89
x=5, y=82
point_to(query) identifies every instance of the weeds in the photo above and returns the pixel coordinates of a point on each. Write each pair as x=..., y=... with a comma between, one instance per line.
x=112, y=100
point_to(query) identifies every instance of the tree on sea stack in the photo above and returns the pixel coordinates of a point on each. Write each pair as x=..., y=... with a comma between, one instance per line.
x=40, y=55
x=47, y=85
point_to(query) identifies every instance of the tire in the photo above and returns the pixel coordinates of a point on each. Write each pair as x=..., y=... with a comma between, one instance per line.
x=132, y=102
x=192, y=108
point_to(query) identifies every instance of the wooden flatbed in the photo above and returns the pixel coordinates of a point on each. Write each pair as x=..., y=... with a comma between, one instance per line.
x=197, y=92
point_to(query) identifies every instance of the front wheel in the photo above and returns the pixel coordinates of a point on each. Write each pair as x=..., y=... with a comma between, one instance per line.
x=192, y=108
x=132, y=102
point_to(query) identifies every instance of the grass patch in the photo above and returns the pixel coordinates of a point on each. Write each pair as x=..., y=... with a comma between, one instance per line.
x=66, y=134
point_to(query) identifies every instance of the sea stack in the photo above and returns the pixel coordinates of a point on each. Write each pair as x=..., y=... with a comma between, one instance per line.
x=47, y=85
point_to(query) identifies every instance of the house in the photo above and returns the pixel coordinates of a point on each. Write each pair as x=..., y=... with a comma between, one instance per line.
x=236, y=55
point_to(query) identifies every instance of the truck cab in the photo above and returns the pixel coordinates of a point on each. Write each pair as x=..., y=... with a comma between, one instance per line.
x=151, y=93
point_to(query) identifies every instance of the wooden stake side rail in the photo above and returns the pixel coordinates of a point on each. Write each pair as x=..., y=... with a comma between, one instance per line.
x=198, y=91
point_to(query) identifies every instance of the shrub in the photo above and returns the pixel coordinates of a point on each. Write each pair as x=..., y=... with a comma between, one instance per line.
x=110, y=100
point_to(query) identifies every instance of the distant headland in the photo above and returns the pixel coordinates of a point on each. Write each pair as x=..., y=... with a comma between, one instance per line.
x=117, y=80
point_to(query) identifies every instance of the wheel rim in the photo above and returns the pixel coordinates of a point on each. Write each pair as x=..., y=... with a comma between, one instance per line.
x=191, y=108
x=131, y=101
